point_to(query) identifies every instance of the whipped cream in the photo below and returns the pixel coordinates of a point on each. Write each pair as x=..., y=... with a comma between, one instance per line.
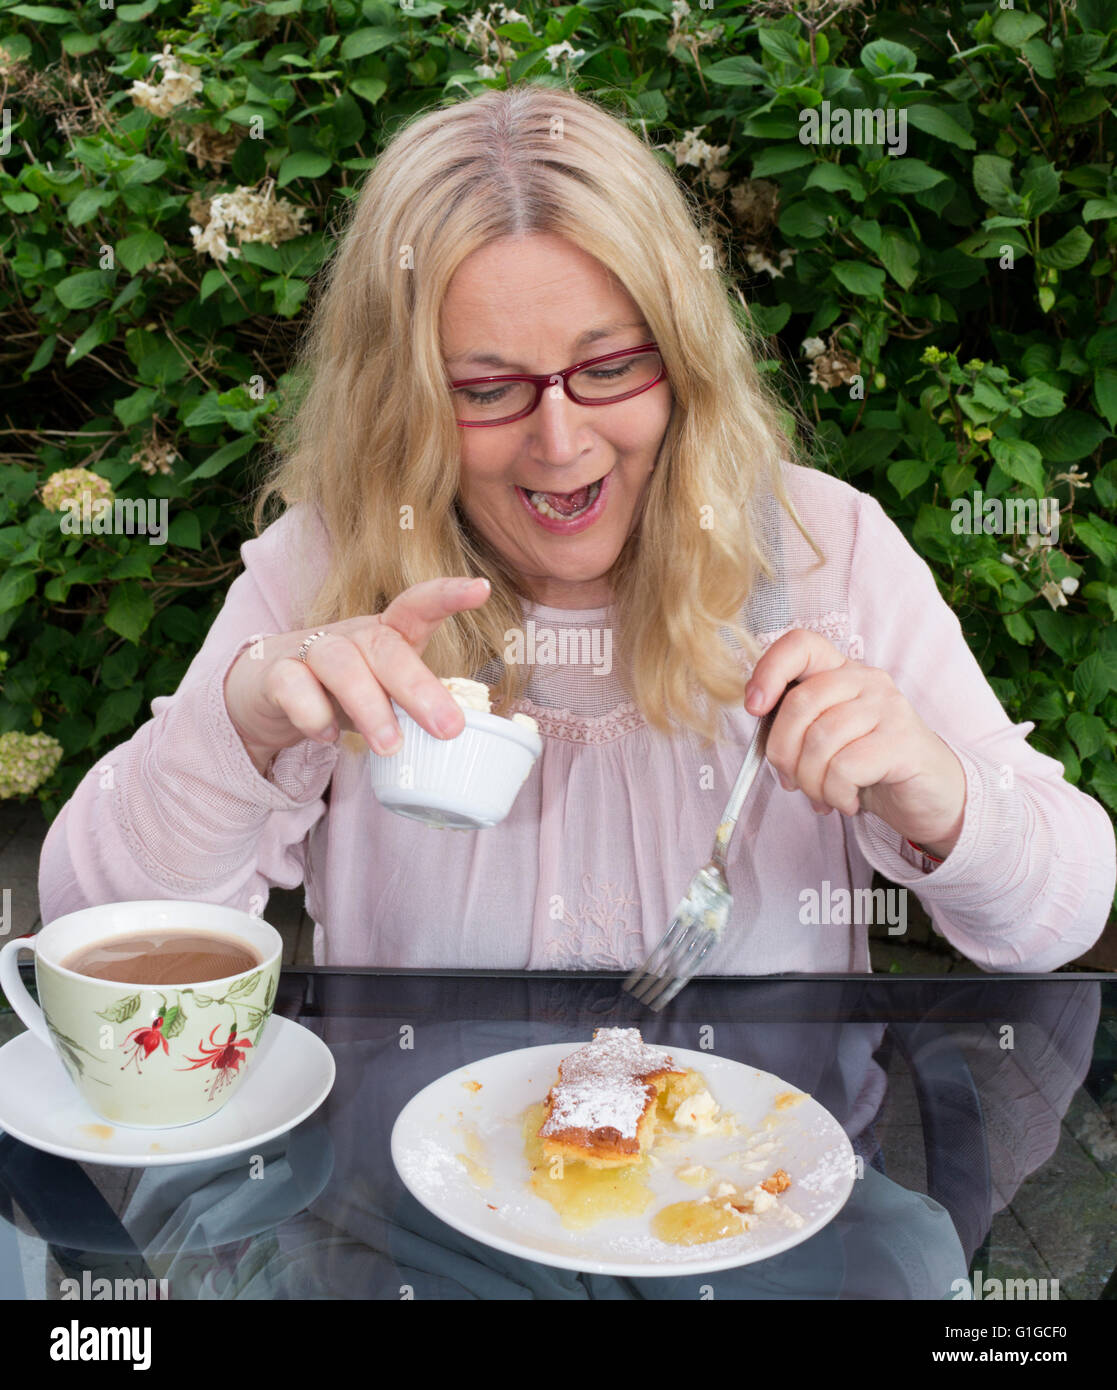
x=475, y=695
x=468, y=694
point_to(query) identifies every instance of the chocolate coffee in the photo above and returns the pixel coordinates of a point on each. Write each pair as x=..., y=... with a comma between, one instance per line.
x=170, y=957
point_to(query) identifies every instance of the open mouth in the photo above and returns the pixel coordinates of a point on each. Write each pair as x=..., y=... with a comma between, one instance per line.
x=564, y=506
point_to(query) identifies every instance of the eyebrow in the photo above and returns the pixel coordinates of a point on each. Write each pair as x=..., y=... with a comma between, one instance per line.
x=591, y=335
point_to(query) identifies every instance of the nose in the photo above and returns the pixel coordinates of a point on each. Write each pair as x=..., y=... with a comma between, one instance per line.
x=555, y=424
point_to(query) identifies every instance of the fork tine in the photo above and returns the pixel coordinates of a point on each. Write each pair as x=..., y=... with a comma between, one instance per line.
x=683, y=975
x=646, y=973
x=679, y=968
x=662, y=965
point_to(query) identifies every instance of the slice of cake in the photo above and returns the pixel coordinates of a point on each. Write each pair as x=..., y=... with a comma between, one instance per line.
x=602, y=1109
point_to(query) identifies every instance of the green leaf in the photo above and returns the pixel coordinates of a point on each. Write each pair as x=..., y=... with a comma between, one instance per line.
x=371, y=89
x=992, y=178
x=906, y=475
x=1039, y=399
x=16, y=587
x=130, y=410
x=1019, y=628
x=101, y=330
x=222, y=458
x=1068, y=251
x=143, y=249
x=1040, y=186
x=1084, y=106
x=365, y=41
x=1087, y=731
x=733, y=72
x=1014, y=28
x=780, y=159
x=837, y=178
x=770, y=319
x=1099, y=209
x=1067, y=437
x=88, y=203
x=122, y=1010
x=116, y=710
x=174, y=1021
x=884, y=57
x=303, y=164
x=860, y=279
x=185, y=531
x=900, y=257
x=1021, y=461
x=1098, y=536
x=1039, y=53
x=803, y=218
x=239, y=988
x=1105, y=391
x=784, y=47
x=907, y=176
x=1104, y=782
x=86, y=288
x=934, y=121
x=130, y=610
x=1094, y=678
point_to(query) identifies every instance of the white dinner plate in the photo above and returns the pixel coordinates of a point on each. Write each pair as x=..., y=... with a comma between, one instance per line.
x=460, y=1152
x=39, y=1104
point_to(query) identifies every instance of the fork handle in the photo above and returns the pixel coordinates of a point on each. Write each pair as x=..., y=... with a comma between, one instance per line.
x=753, y=758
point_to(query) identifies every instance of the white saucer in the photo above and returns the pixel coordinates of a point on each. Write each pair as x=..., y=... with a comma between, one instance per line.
x=38, y=1104
x=458, y=1147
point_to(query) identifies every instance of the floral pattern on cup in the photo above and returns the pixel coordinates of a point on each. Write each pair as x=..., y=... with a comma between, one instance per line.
x=143, y=1044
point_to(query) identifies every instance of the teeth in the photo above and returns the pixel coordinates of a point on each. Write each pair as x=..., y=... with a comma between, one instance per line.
x=541, y=505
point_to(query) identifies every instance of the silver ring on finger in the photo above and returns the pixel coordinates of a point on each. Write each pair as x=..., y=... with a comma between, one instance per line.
x=306, y=645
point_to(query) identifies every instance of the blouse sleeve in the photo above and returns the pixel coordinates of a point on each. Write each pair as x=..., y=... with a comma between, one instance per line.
x=180, y=810
x=1029, y=884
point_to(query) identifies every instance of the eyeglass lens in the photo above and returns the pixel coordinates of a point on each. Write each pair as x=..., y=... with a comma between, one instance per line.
x=607, y=381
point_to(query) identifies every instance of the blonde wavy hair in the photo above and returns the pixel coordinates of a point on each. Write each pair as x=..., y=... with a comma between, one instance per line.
x=370, y=425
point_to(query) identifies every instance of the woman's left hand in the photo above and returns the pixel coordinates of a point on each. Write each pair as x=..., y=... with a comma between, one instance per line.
x=849, y=739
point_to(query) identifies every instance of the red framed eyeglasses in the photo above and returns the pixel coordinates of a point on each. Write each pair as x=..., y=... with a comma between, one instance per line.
x=511, y=397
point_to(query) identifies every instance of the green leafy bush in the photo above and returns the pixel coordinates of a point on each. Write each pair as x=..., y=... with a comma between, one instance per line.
x=938, y=304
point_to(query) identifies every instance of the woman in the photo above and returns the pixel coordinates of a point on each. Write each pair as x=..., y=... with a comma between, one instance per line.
x=527, y=232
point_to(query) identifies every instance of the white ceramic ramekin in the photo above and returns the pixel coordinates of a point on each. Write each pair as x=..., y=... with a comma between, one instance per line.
x=463, y=783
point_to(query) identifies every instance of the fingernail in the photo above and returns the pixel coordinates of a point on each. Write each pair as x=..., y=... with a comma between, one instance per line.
x=785, y=782
x=387, y=741
x=754, y=697
x=446, y=723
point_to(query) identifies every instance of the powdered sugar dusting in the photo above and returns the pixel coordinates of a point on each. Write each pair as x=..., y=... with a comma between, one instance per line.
x=602, y=1084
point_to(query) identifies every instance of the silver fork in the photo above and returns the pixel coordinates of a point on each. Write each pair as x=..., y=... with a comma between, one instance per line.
x=701, y=916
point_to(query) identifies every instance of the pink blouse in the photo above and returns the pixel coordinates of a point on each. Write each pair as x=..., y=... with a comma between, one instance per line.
x=614, y=818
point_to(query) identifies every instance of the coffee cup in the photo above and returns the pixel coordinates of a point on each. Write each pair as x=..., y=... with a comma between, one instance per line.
x=147, y=1055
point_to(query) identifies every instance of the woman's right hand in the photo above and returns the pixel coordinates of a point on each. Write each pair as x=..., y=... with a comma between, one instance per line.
x=349, y=677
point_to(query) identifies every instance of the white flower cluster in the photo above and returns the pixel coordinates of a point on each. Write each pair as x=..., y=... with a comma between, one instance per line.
x=758, y=261
x=558, y=51
x=179, y=84
x=478, y=30
x=691, y=37
x=705, y=157
x=156, y=457
x=1055, y=594
x=26, y=761
x=67, y=485
x=253, y=216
